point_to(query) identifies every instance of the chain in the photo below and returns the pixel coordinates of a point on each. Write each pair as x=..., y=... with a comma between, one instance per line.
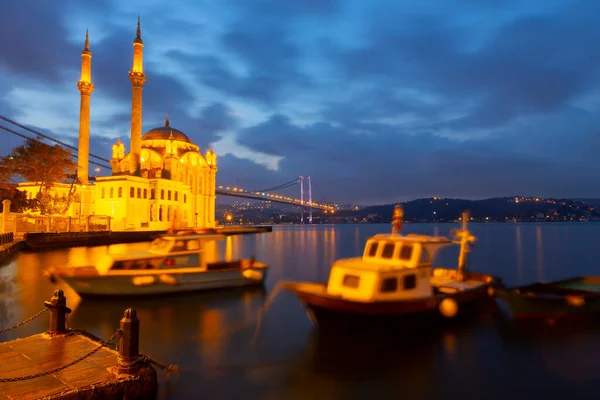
x=24, y=322
x=118, y=333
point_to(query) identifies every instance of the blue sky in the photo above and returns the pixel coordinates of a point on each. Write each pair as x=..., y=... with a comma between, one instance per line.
x=379, y=101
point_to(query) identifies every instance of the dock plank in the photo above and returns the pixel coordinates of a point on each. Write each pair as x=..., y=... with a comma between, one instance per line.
x=41, y=353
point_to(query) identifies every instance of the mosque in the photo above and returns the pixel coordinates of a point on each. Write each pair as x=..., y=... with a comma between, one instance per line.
x=164, y=177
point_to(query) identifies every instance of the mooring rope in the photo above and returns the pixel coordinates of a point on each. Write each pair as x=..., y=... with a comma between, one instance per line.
x=276, y=290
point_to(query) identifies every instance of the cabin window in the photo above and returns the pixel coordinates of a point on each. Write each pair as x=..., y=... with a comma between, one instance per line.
x=373, y=249
x=351, y=281
x=388, y=250
x=406, y=252
x=179, y=246
x=193, y=245
x=410, y=282
x=389, y=285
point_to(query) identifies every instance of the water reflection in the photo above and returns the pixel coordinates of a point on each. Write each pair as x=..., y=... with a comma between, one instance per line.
x=210, y=334
x=539, y=253
x=519, y=253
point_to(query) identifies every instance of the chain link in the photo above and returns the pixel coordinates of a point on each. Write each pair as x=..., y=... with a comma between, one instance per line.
x=24, y=322
x=115, y=335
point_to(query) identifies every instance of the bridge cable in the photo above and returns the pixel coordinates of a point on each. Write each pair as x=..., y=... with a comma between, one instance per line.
x=282, y=186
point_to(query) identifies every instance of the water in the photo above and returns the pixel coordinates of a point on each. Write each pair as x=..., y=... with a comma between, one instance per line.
x=210, y=335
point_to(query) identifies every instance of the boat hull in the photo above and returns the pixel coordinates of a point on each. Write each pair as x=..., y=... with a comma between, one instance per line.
x=333, y=312
x=573, y=298
x=145, y=284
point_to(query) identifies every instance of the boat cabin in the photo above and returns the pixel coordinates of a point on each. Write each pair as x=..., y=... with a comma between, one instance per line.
x=392, y=267
x=165, y=252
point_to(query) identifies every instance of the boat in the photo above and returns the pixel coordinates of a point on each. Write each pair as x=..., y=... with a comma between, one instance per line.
x=394, y=278
x=549, y=301
x=175, y=262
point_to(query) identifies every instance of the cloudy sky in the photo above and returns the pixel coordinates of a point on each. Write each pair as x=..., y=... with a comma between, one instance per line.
x=378, y=101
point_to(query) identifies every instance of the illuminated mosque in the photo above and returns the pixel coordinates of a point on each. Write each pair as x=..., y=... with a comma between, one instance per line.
x=163, y=178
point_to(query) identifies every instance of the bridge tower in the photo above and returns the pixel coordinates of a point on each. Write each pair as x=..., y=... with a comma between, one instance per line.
x=310, y=218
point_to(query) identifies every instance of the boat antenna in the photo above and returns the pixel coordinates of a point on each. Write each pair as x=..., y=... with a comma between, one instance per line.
x=465, y=240
x=397, y=219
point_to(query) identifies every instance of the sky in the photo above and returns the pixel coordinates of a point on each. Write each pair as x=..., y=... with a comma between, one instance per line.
x=378, y=101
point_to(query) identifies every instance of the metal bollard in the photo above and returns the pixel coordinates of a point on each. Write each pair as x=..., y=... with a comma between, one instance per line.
x=129, y=342
x=58, y=312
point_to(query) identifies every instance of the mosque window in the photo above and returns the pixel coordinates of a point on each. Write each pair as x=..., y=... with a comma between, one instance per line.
x=145, y=193
x=169, y=213
x=103, y=192
x=111, y=193
x=131, y=192
x=152, y=194
x=168, y=195
x=139, y=193
x=120, y=192
x=160, y=212
x=176, y=195
x=162, y=194
x=185, y=198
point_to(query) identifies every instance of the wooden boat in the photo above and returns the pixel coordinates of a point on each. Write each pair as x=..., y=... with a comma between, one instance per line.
x=395, y=278
x=175, y=262
x=551, y=300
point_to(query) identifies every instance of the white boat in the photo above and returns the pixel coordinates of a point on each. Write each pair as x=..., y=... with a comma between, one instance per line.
x=173, y=263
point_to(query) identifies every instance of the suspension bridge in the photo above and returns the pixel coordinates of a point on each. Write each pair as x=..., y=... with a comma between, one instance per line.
x=266, y=195
x=261, y=194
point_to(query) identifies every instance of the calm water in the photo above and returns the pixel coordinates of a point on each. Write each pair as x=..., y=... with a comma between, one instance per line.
x=210, y=335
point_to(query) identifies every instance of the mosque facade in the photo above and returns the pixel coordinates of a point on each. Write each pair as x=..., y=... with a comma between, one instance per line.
x=163, y=180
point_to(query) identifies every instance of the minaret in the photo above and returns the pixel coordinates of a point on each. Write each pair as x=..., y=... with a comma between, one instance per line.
x=86, y=88
x=137, y=78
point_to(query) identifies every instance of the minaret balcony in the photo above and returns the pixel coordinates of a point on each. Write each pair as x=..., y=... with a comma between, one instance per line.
x=85, y=87
x=137, y=78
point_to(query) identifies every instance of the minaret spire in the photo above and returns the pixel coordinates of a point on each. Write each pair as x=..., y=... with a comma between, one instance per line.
x=139, y=30
x=167, y=120
x=86, y=88
x=137, y=78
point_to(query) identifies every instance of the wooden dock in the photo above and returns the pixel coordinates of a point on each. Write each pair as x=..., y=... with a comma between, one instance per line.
x=50, y=240
x=71, y=364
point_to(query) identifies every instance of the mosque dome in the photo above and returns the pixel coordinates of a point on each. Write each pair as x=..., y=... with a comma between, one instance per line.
x=165, y=132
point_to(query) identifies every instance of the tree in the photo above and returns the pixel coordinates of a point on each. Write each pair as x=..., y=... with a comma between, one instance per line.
x=38, y=162
x=17, y=197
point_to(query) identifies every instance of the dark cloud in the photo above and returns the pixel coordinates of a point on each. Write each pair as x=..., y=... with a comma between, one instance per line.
x=370, y=100
x=532, y=64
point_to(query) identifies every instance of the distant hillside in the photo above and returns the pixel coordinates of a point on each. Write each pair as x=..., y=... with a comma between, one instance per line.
x=591, y=202
x=494, y=209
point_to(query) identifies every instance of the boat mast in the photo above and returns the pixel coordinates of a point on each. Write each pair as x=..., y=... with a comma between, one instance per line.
x=465, y=239
x=397, y=219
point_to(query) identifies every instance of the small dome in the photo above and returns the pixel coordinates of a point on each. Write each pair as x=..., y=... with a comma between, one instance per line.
x=165, y=132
